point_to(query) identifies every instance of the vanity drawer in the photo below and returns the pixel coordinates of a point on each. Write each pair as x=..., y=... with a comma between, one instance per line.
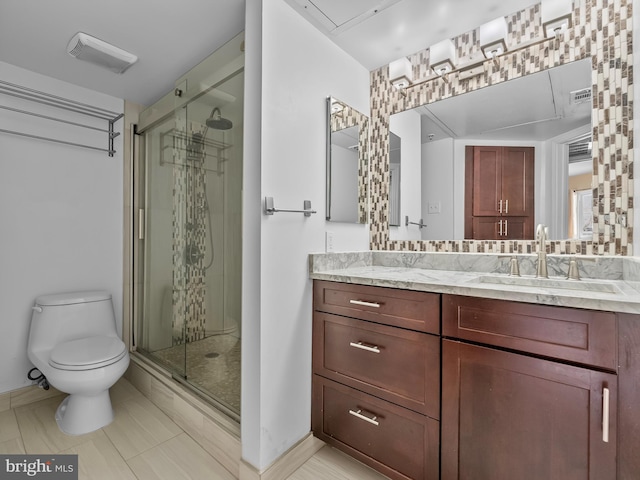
x=398, y=365
x=398, y=442
x=583, y=336
x=402, y=308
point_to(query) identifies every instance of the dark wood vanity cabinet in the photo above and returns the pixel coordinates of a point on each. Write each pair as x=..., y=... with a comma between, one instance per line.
x=528, y=391
x=427, y=386
x=376, y=382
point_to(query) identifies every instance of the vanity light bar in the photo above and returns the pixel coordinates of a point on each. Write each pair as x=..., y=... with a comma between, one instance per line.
x=493, y=39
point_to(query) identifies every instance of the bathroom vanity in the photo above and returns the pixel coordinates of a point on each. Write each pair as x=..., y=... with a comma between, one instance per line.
x=376, y=384
x=427, y=374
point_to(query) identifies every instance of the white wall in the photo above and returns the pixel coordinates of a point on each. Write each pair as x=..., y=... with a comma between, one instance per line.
x=61, y=215
x=437, y=185
x=300, y=67
x=407, y=126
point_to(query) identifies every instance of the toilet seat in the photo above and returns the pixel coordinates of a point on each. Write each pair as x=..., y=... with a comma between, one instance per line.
x=87, y=353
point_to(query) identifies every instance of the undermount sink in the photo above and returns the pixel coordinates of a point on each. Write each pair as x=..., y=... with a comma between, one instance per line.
x=596, y=286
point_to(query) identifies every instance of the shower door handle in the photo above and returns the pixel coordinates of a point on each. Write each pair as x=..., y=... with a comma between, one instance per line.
x=141, y=218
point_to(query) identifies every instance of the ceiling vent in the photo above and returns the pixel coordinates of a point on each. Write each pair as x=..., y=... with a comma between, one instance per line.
x=580, y=96
x=91, y=49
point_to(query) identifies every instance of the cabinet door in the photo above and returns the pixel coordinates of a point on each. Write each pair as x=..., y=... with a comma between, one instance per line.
x=502, y=228
x=517, y=228
x=400, y=443
x=395, y=364
x=517, y=181
x=508, y=416
x=390, y=306
x=487, y=180
x=486, y=228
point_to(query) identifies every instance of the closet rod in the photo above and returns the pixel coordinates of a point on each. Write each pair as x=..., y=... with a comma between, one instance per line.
x=55, y=101
x=113, y=134
x=109, y=151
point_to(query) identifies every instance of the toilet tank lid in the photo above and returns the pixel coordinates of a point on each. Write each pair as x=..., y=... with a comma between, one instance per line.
x=73, y=297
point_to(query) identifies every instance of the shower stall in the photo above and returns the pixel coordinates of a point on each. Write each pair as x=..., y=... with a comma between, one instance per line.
x=189, y=252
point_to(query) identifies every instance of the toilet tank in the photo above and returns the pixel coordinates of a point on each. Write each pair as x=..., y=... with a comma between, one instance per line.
x=69, y=316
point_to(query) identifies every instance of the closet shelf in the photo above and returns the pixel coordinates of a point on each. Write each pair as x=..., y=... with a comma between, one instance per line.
x=62, y=103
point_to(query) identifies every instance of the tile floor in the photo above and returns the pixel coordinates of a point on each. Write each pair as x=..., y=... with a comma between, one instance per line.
x=142, y=443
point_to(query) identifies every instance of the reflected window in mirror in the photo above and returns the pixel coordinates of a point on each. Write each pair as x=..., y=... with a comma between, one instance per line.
x=394, y=179
x=580, y=189
x=549, y=111
x=347, y=163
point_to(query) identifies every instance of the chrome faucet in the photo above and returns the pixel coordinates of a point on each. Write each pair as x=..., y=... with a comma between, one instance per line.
x=541, y=237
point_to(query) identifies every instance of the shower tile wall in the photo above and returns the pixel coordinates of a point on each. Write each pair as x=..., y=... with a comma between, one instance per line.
x=602, y=30
x=189, y=236
x=350, y=117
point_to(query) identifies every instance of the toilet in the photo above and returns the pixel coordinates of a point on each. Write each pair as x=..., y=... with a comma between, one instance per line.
x=74, y=343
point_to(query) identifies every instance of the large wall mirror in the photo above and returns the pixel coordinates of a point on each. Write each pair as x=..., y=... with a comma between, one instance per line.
x=347, y=163
x=530, y=102
x=548, y=113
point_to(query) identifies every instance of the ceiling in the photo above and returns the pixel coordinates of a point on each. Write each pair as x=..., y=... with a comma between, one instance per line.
x=170, y=38
x=376, y=32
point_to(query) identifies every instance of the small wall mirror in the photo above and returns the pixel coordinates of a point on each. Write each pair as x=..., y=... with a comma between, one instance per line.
x=347, y=163
x=542, y=122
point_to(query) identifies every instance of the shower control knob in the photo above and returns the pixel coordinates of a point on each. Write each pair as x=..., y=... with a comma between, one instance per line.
x=37, y=308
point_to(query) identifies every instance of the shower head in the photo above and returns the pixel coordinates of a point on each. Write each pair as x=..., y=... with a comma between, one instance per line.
x=217, y=122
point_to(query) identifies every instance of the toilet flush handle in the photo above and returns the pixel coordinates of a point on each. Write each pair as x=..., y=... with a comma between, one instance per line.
x=37, y=308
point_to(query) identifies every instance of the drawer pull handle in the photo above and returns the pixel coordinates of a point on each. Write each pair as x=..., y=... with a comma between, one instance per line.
x=605, y=414
x=368, y=348
x=364, y=304
x=366, y=419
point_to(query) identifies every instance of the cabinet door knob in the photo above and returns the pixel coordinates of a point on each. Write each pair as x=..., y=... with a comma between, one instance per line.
x=359, y=415
x=364, y=304
x=362, y=346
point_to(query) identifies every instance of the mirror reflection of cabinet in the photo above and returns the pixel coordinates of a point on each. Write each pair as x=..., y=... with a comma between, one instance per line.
x=499, y=196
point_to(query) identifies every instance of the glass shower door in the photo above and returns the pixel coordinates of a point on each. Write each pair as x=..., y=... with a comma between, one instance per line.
x=190, y=319
x=163, y=328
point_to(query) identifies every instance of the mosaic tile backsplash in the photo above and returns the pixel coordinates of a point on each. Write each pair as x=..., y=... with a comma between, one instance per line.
x=601, y=30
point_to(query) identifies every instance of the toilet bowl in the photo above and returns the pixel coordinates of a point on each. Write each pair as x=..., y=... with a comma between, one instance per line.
x=74, y=343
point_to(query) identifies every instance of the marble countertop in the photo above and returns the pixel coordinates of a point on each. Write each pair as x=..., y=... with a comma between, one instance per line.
x=611, y=293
